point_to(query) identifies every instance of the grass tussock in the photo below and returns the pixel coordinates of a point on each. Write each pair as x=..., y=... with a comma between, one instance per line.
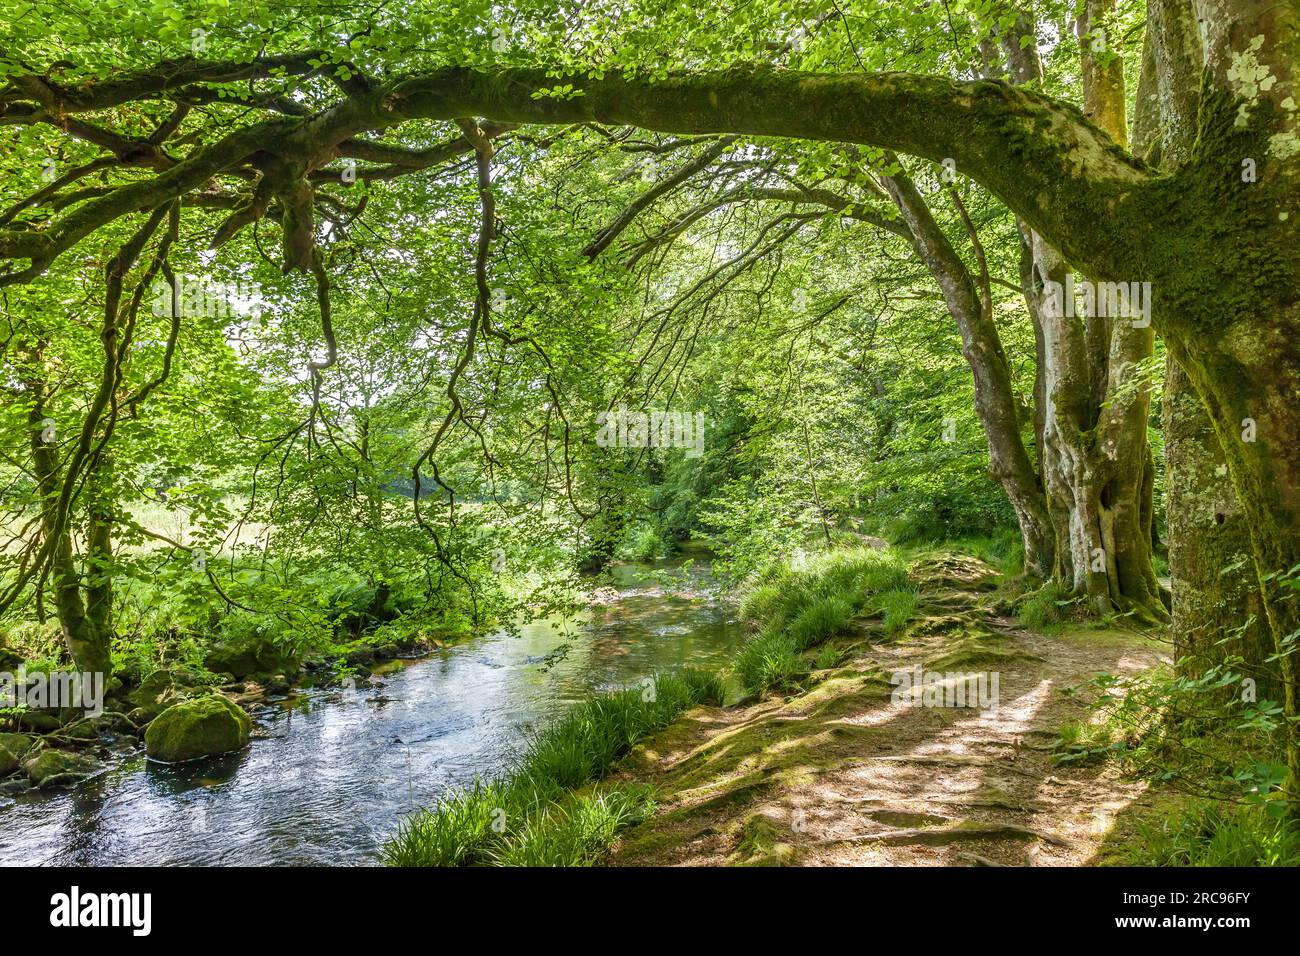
x=1044, y=609
x=1218, y=835
x=795, y=609
x=897, y=607
x=530, y=817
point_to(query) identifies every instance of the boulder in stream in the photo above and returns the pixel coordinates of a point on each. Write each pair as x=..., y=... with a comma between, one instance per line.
x=246, y=655
x=200, y=727
x=161, y=689
x=57, y=768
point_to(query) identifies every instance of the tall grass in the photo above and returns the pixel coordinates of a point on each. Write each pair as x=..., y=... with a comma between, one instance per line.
x=1043, y=609
x=1219, y=836
x=530, y=817
x=769, y=660
x=576, y=832
x=796, y=609
x=897, y=607
x=1004, y=549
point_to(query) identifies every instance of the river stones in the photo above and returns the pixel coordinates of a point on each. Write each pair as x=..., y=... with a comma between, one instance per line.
x=276, y=684
x=162, y=689
x=246, y=655
x=41, y=721
x=56, y=768
x=13, y=747
x=201, y=727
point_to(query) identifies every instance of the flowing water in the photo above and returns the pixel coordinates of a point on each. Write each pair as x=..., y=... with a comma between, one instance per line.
x=331, y=772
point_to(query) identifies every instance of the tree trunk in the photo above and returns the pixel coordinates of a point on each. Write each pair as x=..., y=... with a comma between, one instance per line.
x=1096, y=461
x=995, y=401
x=1217, y=609
x=87, y=643
x=99, y=554
x=1232, y=303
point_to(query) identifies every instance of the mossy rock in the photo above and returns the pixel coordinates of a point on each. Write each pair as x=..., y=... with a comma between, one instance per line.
x=761, y=844
x=249, y=654
x=9, y=661
x=41, y=721
x=201, y=727
x=13, y=747
x=162, y=689
x=360, y=656
x=52, y=768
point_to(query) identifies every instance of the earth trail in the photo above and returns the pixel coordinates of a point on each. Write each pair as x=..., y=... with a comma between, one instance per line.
x=840, y=774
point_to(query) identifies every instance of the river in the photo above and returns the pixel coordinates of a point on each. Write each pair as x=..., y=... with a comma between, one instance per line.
x=331, y=772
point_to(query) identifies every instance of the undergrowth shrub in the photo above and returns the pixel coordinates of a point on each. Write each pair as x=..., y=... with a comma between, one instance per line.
x=1201, y=736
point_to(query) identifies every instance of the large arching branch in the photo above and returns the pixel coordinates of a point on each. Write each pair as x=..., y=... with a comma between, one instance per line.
x=1056, y=170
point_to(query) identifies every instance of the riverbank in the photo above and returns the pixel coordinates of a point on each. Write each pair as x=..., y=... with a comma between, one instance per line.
x=333, y=769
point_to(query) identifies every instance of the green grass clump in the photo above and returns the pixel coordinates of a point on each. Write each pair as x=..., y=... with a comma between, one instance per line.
x=760, y=602
x=1043, y=609
x=794, y=609
x=820, y=620
x=1004, y=549
x=454, y=832
x=530, y=817
x=1083, y=742
x=897, y=607
x=827, y=657
x=768, y=660
x=577, y=832
x=1219, y=836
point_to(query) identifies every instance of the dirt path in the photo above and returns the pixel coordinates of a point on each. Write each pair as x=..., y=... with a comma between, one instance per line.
x=842, y=775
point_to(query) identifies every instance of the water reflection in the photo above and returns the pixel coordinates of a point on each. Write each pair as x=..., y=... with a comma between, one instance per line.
x=332, y=772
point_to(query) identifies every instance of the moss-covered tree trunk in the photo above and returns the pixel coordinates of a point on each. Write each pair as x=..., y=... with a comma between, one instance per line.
x=1231, y=300
x=1217, y=609
x=1096, y=462
x=99, y=558
x=87, y=635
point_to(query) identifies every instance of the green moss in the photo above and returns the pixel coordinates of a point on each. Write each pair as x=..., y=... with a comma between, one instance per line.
x=202, y=727
x=974, y=652
x=249, y=653
x=54, y=767
x=13, y=747
x=761, y=844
